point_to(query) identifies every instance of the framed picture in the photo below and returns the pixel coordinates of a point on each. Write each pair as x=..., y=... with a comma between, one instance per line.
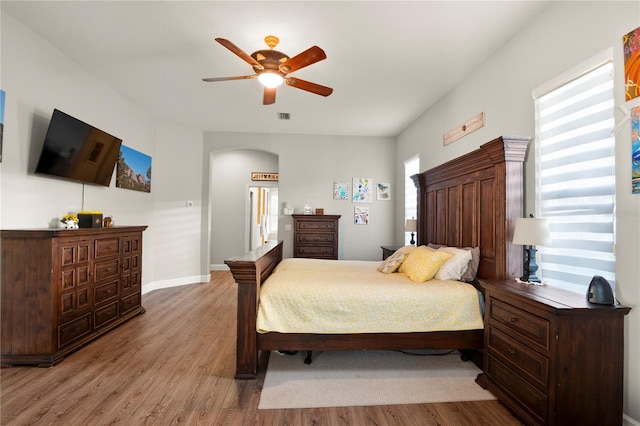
x=2, y=95
x=635, y=150
x=361, y=215
x=631, y=48
x=340, y=190
x=362, y=190
x=133, y=170
x=383, y=191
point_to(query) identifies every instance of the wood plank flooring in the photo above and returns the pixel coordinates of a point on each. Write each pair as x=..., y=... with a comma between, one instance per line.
x=175, y=365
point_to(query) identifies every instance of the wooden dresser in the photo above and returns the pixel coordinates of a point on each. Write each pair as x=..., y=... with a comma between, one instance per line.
x=551, y=357
x=315, y=236
x=62, y=288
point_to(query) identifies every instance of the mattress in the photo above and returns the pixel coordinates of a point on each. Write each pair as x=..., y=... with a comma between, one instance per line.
x=348, y=296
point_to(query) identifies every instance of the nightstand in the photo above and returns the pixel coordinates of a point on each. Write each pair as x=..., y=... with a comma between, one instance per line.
x=388, y=251
x=551, y=357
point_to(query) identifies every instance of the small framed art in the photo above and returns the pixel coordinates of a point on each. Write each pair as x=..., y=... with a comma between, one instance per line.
x=383, y=191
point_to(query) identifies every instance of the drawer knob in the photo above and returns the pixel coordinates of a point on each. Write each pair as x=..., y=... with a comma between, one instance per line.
x=513, y=319
x=511, y=351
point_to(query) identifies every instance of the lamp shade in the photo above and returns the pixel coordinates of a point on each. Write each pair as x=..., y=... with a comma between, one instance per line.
x=411, y=225
x=531, y=231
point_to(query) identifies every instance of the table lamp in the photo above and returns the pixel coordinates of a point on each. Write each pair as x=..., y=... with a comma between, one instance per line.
x=530, y=232
x=411, y=226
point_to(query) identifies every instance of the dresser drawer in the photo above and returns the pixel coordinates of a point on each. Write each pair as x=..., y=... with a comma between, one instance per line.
x=527, y=396
x=106, y=247
x=315, y=238
x=529, y=326
x=520, y=358
x=72, y=330
x=106, y=314
x=315, y=251
x=105, y=292
x=129, y=303
x=316, y=225
x=106, y=269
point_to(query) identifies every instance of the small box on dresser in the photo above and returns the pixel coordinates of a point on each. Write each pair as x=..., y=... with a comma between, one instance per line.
x=90, y=220
x=551, y=357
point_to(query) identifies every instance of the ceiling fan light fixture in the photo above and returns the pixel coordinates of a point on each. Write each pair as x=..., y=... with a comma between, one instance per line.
x=270, y=79
x=272, y=68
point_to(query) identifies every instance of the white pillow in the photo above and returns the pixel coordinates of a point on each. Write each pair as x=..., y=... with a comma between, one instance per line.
x=456, y=266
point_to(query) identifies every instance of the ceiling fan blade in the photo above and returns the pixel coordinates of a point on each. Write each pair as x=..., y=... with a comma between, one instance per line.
x=308, y=86
x=310, y=56
x=238, y=77
x=239, y=52
x=269, y=96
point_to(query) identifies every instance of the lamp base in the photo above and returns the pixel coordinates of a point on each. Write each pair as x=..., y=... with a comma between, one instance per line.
x=412, y=241
x=530, y=267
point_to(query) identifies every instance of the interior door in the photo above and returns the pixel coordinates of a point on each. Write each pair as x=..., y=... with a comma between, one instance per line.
x=263, y=215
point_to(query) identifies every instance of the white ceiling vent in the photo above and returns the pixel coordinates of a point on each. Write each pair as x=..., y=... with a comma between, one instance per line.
x=284, y=116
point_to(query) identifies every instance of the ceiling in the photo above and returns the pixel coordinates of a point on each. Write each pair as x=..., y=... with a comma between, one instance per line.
x=387, y=62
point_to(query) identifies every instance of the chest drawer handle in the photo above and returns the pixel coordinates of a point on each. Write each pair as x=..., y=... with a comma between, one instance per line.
x=511, y=351
x=513, y=319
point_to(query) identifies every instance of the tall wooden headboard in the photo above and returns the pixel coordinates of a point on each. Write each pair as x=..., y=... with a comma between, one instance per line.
x=473, y=201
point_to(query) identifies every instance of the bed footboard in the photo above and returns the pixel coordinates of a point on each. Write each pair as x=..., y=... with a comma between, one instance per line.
x=249, y=272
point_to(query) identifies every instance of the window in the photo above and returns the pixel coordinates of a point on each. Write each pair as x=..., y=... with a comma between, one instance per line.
x=411, y=167
x=575, y=175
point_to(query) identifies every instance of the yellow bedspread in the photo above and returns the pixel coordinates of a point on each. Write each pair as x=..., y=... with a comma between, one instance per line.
x=345, y=296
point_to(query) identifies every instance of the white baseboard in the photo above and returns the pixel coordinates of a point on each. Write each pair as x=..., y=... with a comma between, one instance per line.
x=222, y=267
x=628, y=421
x=196, y=279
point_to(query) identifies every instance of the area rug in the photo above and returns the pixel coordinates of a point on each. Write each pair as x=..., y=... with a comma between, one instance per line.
x=356, y=378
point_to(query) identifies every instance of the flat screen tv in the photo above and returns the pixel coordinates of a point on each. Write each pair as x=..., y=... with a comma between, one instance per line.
x=78, y=151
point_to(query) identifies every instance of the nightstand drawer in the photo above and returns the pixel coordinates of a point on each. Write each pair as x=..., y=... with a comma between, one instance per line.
x=518, y=357
x=530, y=398
x=529, y=326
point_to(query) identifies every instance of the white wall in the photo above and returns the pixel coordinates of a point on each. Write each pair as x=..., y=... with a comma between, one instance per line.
x=229, y=202
x=308, y=166
x=38, y=78
x=177, y=180
x=566, y=34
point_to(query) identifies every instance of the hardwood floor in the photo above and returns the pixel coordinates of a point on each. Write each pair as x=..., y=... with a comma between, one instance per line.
x=175, y=365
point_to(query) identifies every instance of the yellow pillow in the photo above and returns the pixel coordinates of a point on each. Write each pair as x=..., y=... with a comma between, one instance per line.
x=423, y=263
x=408, y=249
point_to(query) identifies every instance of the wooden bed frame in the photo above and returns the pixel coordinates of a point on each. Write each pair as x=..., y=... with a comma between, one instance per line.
x=471, y=201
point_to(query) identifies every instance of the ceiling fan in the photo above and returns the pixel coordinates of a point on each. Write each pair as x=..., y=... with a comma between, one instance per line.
x=272, y=67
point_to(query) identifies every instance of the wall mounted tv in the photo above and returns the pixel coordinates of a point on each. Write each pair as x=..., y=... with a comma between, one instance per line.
x=78, y=151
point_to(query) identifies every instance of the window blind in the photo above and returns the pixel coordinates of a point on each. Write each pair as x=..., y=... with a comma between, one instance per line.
x=411, y=167
x=575, y=159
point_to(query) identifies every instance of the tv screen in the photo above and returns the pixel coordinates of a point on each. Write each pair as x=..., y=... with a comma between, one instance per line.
x=78, y=151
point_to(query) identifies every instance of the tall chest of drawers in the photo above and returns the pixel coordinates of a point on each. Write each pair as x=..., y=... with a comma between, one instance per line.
x=551, y=357
x=315, y=236
x=62, y=288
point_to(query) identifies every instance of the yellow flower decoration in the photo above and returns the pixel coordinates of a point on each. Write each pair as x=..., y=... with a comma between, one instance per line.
x=68, y=217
